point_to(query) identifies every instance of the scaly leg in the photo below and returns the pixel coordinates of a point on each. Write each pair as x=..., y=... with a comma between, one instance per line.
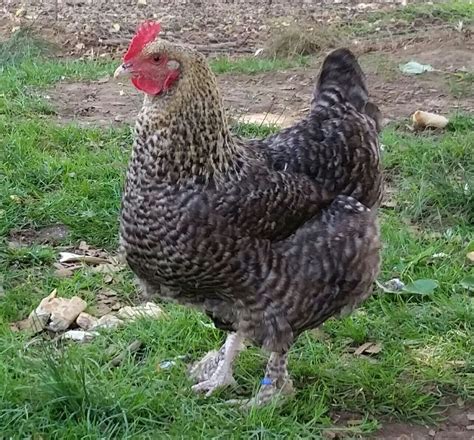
x=202, y=370
x=275, y=383
x=221, y=376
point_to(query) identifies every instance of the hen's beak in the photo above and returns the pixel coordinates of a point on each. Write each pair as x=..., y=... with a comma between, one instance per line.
x=123, y=70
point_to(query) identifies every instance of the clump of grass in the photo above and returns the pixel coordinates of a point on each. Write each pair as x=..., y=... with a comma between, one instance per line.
x=254, y=130
x=303, y=40
x=437, y=184
x=22, y=45
x=253, y=65
x=448, y=11
x=461, y=85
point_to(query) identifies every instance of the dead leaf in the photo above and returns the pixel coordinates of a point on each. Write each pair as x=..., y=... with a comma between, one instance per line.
x=107, y=268
x=354, y=422
x=63, y=272
x=103, y=80
x=108, y=279
x=389, y=204
x=24, y=324
x=369, y=348
x=69, y=257
x=21, y=12
x=103, y=309
x=83, y=246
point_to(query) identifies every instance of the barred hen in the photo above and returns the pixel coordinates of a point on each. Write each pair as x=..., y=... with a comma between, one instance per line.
x=266, y=237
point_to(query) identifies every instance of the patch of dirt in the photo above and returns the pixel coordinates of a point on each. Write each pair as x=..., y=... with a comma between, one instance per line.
x=454, y=427
x=98, y=26
x=106, y=102
x=52, y=235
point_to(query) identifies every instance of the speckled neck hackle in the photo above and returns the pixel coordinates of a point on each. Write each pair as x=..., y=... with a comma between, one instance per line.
x=184, y=131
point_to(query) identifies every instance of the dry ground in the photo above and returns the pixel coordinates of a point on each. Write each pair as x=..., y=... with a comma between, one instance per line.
x=287, y=93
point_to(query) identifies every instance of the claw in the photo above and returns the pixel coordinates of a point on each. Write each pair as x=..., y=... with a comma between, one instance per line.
x=203, y=370
x=214, y=383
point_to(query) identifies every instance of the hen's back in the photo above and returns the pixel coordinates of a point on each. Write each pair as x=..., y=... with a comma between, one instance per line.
x=337, y=143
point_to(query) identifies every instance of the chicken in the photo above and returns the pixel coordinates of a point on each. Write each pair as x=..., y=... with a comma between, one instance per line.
x=267, y=241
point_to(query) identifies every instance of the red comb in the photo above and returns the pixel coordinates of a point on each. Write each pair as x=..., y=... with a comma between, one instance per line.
x=146, y=32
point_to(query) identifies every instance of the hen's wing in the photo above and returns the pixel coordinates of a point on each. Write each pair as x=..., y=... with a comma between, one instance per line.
x=267, y=203
x=336, y=145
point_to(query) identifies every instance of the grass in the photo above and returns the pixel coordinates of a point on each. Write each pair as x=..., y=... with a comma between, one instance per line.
x=64, y=174
x=252, y=65
x=450, y=11
x=417, y=15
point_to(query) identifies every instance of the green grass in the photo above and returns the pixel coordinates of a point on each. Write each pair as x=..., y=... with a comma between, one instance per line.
x=64, y=174
x=252, y=65
x=448, y=11
x=412, y=17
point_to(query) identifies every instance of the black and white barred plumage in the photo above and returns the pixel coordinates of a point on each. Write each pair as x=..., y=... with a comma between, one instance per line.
x=268, y=237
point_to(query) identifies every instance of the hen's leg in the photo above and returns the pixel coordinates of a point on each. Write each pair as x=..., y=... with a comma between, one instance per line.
x=202, y=370
x=222, y=375
x=276, y=381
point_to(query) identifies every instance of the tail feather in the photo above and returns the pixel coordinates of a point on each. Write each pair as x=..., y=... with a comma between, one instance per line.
x=341, y=81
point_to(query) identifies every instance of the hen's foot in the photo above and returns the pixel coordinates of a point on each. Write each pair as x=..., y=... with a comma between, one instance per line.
x=220, y=379
x=275, y=386
x=203, y=370
x=215, y=369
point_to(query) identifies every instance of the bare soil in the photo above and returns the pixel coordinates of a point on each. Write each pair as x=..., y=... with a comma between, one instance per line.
x=106, y=102
x=456, y=426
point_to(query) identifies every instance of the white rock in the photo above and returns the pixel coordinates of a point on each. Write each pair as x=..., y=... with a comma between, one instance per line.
x=146, y=310
x=107, y=321
x=86, y=321
x=424, y=119
x=79, y=335
x=39, y=317
x=60, y=313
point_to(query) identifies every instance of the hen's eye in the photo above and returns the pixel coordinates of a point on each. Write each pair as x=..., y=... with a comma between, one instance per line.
x=156, y=58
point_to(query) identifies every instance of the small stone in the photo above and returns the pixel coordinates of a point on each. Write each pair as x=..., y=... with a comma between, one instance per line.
x=470, y=256
x=108, y=321
x=432, y=433
x=470, y=427
x=470, y=417
x=147, y=310
x=86, y=321
x=64, y=312
x=103, y=309
x=394, y=284
x=79, y=335
x=108, y=292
